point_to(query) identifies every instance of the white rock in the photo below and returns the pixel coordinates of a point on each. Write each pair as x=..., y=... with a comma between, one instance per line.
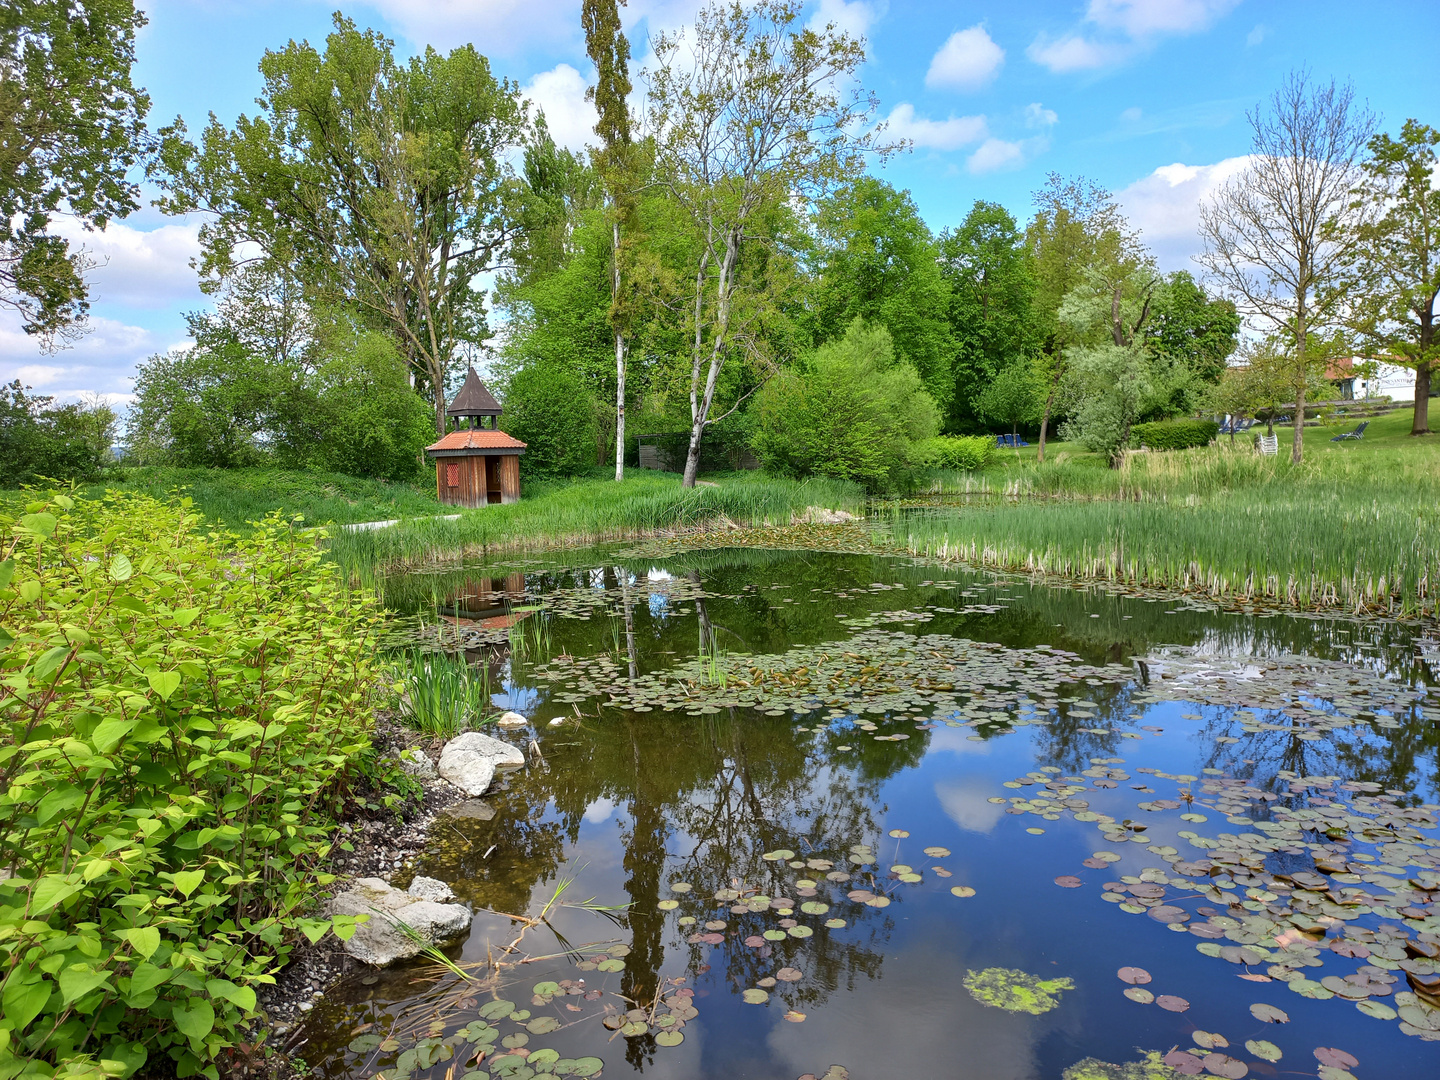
x=469, y=761
x=429, y=888
x=512, y=720
x=380, y=940
x=416, y=763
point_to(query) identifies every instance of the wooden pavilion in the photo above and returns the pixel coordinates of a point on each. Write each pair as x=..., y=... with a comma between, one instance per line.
x=477, y=464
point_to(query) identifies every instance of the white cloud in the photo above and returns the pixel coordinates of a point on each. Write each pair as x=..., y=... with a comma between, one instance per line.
x=560, y=93
x=139, y=268
x=1125, y=28
x=1147, y=18
x=968, y=60
x=1165, y=206
x=949, y=134
x=1037, y=116
x=1074, y=53
x=1257, y=35
x=994, y=155
x=102, y=361
x=854, y=17
x=599, y=810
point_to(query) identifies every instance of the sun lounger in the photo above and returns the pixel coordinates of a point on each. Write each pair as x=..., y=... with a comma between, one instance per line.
x=1357, y=434
x=1268, y=445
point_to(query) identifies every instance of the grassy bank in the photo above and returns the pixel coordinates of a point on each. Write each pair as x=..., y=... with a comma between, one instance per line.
x=235, y=497
x=1355, y=526
x=590, y=511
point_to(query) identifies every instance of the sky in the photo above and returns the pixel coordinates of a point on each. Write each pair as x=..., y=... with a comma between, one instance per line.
x=1146, y=97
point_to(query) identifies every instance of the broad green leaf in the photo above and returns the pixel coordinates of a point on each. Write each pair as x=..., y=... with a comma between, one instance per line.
x=49, y=891
x=144, y=940
x=24, y=1000
x=77, y=980
x=242, y=996
x=120, y=568
x=145, y=978
x=187, y=881
x=39, y=524
x=185, y=616
x=7, y=571
x=163, y=683
x=195, y=1019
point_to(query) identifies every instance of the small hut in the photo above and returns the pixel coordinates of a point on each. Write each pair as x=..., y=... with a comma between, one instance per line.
x=477, y=464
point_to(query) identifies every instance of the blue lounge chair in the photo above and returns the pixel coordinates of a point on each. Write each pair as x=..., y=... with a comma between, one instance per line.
x=1357, y=434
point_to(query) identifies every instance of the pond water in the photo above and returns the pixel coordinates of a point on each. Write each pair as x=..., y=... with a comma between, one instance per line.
x=862, y=816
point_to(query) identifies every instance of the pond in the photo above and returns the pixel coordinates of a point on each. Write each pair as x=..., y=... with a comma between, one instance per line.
x=827, y=814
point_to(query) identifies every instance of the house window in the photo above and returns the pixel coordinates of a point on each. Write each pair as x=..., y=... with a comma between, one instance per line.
x=452, y=474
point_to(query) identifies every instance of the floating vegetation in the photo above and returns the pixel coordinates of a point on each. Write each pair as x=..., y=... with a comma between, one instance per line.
x=1015, y=991
x=1152, y=1068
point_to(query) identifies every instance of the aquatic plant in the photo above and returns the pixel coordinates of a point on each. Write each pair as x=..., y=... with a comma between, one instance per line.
x=441, y=694
x=1015, y=991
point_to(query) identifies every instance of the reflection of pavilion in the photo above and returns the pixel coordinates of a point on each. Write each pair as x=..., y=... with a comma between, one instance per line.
x=480, y=610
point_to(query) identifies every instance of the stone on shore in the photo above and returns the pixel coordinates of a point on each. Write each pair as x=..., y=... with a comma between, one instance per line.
x=469, y=761
x=381, y=940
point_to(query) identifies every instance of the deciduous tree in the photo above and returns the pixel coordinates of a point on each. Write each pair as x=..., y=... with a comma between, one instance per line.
x=1280, y=232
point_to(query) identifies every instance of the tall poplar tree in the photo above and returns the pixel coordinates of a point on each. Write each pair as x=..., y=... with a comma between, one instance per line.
x=609, y=50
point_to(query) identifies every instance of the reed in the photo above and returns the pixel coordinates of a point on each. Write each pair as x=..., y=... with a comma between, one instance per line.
x=442, y=695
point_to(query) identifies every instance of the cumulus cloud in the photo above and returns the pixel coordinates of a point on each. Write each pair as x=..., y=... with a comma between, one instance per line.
x=854, y=17
x=1114, y=30
x=1165, y=206
x=1037, y=116
x=1257, y=35
x=139, y=268
x=560, y=94
x=950, y=134
x=993, y=155
x=103, y=361
x=968, y=60
x=967, y=803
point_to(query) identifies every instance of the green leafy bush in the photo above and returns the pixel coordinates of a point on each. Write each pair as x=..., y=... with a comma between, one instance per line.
x=852, y=412
x=553, y=414
x=1174, y=434
x=180, y=713
x=967, y=452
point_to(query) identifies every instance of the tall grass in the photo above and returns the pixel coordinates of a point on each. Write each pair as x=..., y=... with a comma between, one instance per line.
x=442, y=694
x=587, y=512
x=1374, y=548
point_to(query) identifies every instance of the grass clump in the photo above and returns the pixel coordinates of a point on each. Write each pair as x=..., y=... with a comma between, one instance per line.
x=442, y=695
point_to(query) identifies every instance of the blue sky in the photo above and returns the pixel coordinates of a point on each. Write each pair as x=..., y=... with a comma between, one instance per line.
x=1148, y=97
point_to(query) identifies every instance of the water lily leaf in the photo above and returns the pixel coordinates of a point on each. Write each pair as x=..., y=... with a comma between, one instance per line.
x=1209, y=1039
x=1139, y=994
x=1068, y=881
x=1171, y=1003
x=1035, y=832
x=543, y=1025
x=1262, y=1049
x=611, y=964
x=755, y=996
x=800, y=931
x=586, y=1066
x=1339, y=1059
x=936, y=852
x=834, y=924
x=1379, y=1010
x=789, y=974
x=496, y=1010
x=668, y=905
x=1133, y=975
x=680, y=886
x=899, y=834
x=1269, y=1014
x=962, y=891
x=782, y=855
x=814, y=907
x=795, y=1017
x=774, y=935
x=1226, y=1066
x=669, y=1038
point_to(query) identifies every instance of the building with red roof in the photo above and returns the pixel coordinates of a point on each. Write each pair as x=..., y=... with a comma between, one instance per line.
x=476, y=465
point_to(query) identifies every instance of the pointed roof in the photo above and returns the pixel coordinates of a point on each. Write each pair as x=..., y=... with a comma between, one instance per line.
x=473, y=399
x=482, y=439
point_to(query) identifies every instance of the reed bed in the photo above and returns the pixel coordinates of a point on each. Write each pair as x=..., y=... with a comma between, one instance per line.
x=1353, y=547
x=587, y=512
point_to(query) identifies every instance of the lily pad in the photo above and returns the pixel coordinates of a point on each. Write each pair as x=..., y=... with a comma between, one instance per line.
x=1269, y=1014
x=962, y=891
x=899, y=834
x=1263, y=1049
x=1171, y=1003
x=1016, y=991
x=1133, y=975
x=1068, y=881
x=669, y=1038
x=782, y=855
x=755, y=997
x=795, y=1017
x=1139, y=994
x=834, y=924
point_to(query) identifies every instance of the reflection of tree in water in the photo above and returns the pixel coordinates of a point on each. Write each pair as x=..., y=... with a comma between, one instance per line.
x=1068, y=741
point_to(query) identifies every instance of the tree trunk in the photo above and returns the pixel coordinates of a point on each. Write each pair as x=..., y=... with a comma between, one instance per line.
x=1297, y=447
x=1420, y=422
x=1044, y=423
x=619, y=406
x=440, y=411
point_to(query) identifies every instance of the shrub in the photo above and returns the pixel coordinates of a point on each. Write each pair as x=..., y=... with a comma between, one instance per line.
x=967, y=452
x=553, y=414
x=853, y=412
x=61, y=442
x=180, y=711
x=1174, y=434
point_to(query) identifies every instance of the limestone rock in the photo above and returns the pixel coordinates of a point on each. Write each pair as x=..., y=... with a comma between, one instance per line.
x=380, y=940
x=417, y=763
x=429, y=888
x=469, y=761
x=512, y=720
x=819, y=515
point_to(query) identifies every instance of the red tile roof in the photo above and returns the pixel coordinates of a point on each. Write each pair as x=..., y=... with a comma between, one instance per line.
x=477, y=439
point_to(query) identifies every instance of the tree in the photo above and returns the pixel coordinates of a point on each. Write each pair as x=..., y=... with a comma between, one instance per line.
x=386, y=186
x=1280, y=233
x=41, y=440
x=71, y=126
x=752, y=116
x=1391, y=287
x=553, y=414
x=1013, y=396
x=877, y=262
x=1076, y=224
x=992, y=304
x=853, y=411
x=609, y=50
x=1192, y=329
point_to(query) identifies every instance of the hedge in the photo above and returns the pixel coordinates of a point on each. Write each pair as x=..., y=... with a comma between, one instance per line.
x=181, y=713
x=1174, y=434
x=967, y=452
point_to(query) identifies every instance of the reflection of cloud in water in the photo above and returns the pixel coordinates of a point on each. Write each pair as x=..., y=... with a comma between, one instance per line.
x=599, y=810
x=918, y=1021
x=957, y=741
x=966, y=803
